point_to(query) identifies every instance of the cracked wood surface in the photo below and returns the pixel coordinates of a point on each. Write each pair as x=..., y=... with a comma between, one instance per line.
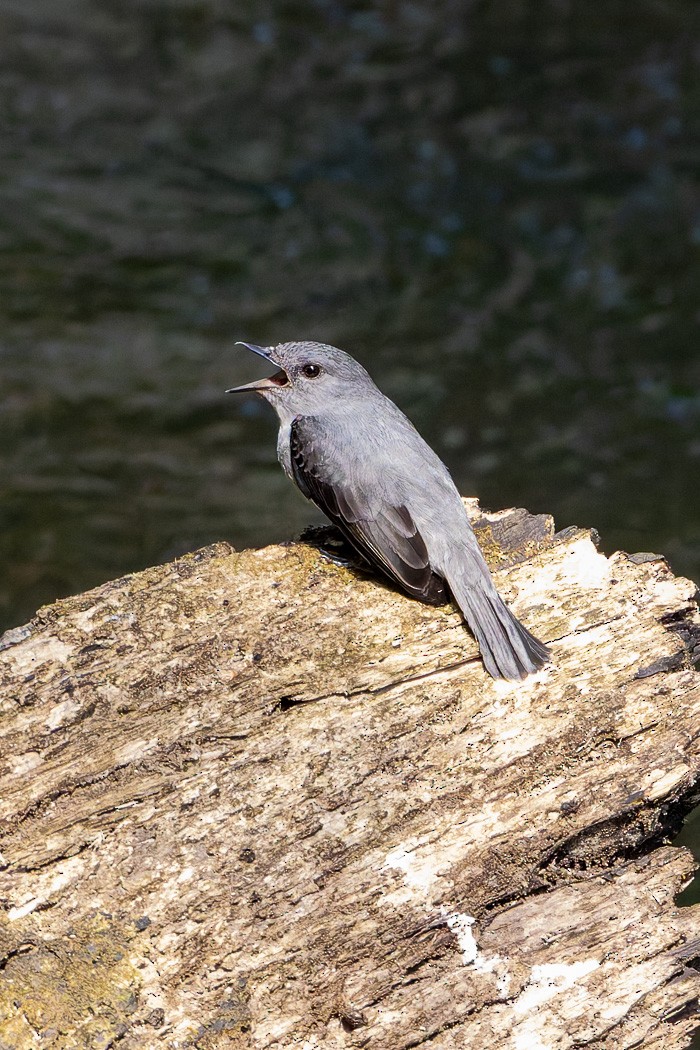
x=256, y=800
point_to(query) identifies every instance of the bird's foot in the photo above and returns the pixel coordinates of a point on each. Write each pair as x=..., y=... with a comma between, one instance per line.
x=334, y=548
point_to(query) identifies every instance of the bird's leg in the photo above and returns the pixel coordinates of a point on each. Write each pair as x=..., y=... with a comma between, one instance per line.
x=334, y=547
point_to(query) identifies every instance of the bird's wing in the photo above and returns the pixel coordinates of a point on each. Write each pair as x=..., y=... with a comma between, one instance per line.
x=382, y=530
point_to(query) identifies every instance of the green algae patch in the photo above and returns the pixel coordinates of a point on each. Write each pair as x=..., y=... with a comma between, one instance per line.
x=73, y=993
x=509, y=539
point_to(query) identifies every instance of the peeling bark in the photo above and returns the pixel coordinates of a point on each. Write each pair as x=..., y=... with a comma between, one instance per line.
x=258, y=800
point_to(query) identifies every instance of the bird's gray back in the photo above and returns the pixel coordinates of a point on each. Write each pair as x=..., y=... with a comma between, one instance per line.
x=372, y=447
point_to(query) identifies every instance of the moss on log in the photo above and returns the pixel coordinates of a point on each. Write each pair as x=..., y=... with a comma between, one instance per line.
x=253, y=799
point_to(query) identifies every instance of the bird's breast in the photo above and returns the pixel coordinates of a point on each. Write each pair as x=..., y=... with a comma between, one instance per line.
x=284, y=453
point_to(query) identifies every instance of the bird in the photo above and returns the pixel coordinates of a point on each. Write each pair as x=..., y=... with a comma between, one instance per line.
x=354, y=454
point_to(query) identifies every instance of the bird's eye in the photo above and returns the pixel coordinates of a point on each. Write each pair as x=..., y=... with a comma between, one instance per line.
x=311, y=371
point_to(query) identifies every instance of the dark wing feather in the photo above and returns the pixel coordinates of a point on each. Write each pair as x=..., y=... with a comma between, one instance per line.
x=384, y=534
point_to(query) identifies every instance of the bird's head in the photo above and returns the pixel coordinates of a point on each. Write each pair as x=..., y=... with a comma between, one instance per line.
x=310, y=377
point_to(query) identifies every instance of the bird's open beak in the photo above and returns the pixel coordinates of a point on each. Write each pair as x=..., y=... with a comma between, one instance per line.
x=278, y=379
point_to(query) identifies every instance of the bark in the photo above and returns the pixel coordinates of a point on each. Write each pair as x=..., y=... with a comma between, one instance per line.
x=258, y=800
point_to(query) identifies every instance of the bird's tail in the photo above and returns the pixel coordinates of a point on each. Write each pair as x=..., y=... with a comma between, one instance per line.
x=507, y=648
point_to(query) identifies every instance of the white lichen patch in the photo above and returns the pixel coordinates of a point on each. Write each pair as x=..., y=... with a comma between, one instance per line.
x=427, y=859
x=34, y=652
x=515, y=733
x=672, y=591
x=419, y=873
x=19, y=764
x=597, y=637
x=579, y=564
x=526, y=688
x=24, y=909
x=658, y=783
x=49, y=888
x=61, y=713
x=538, y=1027
x=461, y=926
x=590, y=568
x=420, y=876
x=550, y=979
x=134, y=750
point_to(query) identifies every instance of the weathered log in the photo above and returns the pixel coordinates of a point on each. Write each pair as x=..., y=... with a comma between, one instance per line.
x=257, y=800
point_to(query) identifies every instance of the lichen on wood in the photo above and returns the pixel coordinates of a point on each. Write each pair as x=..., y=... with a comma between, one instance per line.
x=255, y=799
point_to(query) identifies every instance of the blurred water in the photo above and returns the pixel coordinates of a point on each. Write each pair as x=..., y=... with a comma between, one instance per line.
x=496, y=209
x=494, y=206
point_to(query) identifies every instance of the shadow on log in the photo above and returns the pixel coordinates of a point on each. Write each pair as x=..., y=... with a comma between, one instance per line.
x=254, y=800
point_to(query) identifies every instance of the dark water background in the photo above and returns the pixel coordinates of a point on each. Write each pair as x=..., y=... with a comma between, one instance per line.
x=495, y=206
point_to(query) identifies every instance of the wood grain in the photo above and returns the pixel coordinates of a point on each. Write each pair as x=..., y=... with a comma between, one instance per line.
x=258, y=800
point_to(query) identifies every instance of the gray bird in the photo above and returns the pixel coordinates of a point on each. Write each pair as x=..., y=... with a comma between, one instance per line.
x=355, y=455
